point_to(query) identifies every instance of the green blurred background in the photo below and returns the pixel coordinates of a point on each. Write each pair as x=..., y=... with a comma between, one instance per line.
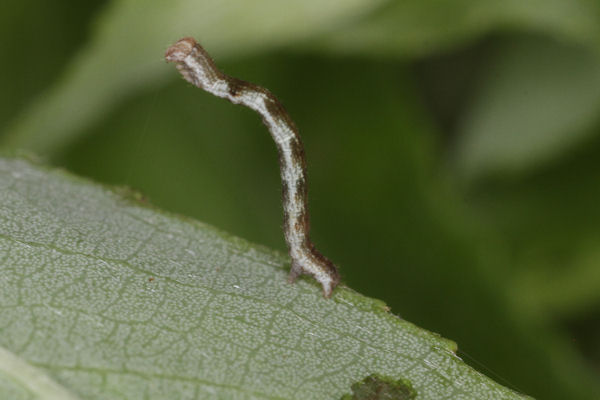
x=453, y=148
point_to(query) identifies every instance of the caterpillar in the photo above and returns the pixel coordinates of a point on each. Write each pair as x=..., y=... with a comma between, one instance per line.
x=197, y=67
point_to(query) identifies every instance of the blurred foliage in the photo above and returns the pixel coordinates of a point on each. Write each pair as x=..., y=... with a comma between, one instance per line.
x=452, y=147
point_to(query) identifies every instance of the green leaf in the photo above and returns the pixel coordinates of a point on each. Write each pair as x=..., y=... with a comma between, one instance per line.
x=537, y=99
x=114, y=299
x=126, y=51
x=19, y=380
x=22, y=76
x=416, y=28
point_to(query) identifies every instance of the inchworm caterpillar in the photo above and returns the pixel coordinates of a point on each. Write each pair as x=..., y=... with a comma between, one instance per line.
x=199, y=69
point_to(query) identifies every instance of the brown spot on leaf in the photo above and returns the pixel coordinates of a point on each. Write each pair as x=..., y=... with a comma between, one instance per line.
x=375, y=387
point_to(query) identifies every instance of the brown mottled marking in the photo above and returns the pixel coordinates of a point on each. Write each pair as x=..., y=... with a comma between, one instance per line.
x=198, y=68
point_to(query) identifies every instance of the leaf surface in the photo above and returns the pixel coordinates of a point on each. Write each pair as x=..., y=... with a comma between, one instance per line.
x=113, y=299
x=19, y=380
